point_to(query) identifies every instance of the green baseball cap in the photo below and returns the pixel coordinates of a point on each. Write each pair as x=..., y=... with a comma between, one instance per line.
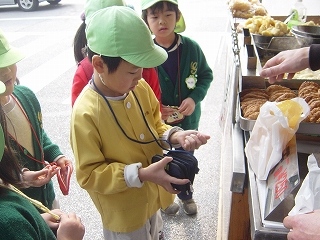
x=180, y=25
x=9, y=55
x=119, y=31
x=92, y=6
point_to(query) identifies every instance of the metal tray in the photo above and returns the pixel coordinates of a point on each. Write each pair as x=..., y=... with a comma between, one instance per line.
x=304, y=127
x=273, y=45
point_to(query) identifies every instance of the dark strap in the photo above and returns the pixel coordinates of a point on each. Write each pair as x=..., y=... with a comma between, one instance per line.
x=314, y=57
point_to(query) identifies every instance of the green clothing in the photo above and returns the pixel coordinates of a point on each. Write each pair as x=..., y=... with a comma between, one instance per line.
x=102, y=152
x=192, y=63
x=31, y=106
x=20, y=220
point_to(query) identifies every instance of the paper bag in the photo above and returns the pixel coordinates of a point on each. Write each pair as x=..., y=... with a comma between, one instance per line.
x=275, y=126
x=308, y=196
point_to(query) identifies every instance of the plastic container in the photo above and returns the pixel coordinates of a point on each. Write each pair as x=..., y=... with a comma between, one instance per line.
x=300, y=11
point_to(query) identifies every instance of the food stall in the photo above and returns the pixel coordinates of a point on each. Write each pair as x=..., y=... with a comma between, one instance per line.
x=243, y=212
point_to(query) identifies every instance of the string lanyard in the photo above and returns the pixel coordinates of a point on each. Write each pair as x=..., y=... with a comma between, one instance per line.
x=179, y=83
x=144, y=119
x=36, y=203
x=33, y=132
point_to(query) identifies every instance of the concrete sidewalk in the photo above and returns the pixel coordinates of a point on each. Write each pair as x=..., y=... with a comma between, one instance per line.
x=206, y=22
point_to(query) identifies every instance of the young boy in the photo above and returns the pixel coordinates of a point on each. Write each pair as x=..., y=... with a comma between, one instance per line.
x=184, y=77
x=25, y=128
x=116, y=129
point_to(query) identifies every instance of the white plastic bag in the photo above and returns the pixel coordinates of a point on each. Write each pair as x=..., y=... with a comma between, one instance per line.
x=270, y=135
x=308, y=196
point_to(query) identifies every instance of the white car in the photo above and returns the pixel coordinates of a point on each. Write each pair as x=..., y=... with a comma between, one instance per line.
x=27, y=5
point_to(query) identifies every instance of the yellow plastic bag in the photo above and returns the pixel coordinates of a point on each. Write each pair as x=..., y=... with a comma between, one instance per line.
x=275, y=126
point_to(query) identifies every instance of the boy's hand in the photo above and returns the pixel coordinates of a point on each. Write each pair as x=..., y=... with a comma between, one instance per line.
x=187, y=107
x=39, y=178
x=156, y=173
x=189, y=139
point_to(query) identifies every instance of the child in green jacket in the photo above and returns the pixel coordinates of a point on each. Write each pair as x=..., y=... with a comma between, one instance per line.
x=19, y=218
x=185, y=76
x=40, y=158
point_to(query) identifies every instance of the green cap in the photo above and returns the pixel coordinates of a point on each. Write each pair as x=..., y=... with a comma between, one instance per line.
x=92, y=6
x=9, y=55
x=120, y=32
x=180, y=25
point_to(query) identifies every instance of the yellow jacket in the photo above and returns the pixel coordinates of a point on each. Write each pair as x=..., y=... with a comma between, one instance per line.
x=102, y=151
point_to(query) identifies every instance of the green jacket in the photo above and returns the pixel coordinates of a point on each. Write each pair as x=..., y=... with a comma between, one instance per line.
x=31, y=106
x=20, y=220
x=192, y=63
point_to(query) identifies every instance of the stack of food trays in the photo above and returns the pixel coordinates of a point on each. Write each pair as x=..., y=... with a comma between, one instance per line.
x=251, y=99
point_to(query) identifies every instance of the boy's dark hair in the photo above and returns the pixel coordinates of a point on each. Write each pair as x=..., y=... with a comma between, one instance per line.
x=159, y=6
x=111, y=62
x=80, y=43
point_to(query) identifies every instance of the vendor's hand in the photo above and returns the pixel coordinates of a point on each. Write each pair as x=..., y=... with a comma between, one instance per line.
x=189, y=139
x=39, y=178
x=63, y=162
x=290, y=61
x=51, y=222
x=70, y=227
x=166, y=111
x=303, y=226
x=187, y=107
x=156, y=173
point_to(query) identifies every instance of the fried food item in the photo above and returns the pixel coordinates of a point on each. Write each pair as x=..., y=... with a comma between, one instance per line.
x=256, y=95
x=252, y=110
x=308, y=84
x=314, y=115
x=252, y=99
x=272, y=89
x=266, y=26
x=311, y=96
x=309, y=91
x=246, y=8
x=278, y=93
x=285, y=96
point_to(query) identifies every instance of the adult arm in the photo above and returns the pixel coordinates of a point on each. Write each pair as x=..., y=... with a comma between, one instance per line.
x=303, y=226
x=290, y=62
x=314, y=57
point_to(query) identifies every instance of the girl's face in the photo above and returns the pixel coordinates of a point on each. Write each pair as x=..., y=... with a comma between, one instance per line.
x=123, y=80
x=8, y=77
x=162, y=23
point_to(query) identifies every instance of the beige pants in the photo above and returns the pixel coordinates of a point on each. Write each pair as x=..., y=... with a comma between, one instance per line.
x=149, y=231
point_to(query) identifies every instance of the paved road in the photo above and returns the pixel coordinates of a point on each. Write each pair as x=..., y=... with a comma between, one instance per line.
x=46, y=37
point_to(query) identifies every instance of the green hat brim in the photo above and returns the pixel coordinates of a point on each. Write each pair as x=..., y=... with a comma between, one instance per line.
x=149, y=59
x=180, y=25
x=11, y=57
